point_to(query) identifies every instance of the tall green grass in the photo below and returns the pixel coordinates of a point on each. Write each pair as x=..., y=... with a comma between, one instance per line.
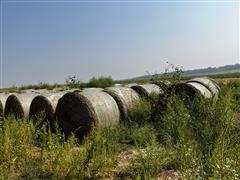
x=201, y=141
x=206, y=135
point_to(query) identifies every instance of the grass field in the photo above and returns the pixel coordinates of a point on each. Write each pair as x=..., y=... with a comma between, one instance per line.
x=229, y=73
x=179, y=141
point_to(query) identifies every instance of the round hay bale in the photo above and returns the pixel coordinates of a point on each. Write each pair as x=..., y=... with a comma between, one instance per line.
x=3, y=98
x=126, y=98
x=130, y=85
x=117, y=85
x=40, y=91
x=73, y=90
x=192, y=89
x=18, y=105
x=208, y=83
x=92, y=90
x=45, y=105
x=79, y=111
x=145, y=90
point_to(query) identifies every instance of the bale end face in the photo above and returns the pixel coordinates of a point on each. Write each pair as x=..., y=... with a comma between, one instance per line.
x=208, y=83
x=14, y=107
x=74, y=113
x=40, y=106
x=191, y=90
x=183, y=90
x=140, y=90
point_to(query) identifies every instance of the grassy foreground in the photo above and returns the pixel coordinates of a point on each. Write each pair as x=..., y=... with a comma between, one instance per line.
x=197, y=142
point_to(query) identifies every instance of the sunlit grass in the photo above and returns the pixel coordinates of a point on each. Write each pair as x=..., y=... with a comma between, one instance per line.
x=198, y=142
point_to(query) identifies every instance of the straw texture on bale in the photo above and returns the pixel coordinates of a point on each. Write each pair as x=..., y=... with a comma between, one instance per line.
x=126, y=98
x=130, y=85
x=73, y=90
x=79, y=111
x=45, y=105
x=3, y=98
x=147, y=89
x=208, y=83
x=192, y=89
x=91, y=90
x=18, y=105
x=40, y=91
x=117, y=85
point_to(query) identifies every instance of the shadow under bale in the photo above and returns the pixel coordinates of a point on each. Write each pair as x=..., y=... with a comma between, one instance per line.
x=126, y=98
x=145, y=90
x=78, y=112
x=18, y=105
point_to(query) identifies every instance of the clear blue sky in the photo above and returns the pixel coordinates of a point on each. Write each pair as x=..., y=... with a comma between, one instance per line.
x=47, y=41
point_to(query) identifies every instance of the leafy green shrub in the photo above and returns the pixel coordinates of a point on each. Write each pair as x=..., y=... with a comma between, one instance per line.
x=73, y=82
x=42, y=85
x=172, y=124
x=198, y=142
x=142, y=113
x=206, y=135
x=100, y=155
x=101, y=82
x=29, y=153
x=133, y=133
x=150, y=162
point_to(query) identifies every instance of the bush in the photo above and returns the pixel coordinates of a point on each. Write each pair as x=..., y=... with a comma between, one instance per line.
x=201, y=141
x=73, y=82
x=40, y=154
x=101, y=82
x=150, y=162
x=205, y=135
x=133, y=134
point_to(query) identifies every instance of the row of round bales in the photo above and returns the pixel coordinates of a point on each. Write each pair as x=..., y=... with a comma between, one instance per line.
x=79, y=111
x=87, y=107
x=203, y=86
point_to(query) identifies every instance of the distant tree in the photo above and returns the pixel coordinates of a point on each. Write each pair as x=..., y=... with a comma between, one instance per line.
x=101, y=82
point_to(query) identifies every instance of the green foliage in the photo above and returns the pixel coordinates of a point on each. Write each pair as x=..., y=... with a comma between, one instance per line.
x=205, y=135
x=151, y=161
x=42, y=85
x=73, y=82
x=141, y=114
x=101, y=82
x=225, y=75
x=29, y=153
x=134, y=134
x=172, y=125
x=201, y=141
x=99, y=157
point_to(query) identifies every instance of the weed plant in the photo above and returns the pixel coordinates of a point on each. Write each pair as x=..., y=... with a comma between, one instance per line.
x=201, y=141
